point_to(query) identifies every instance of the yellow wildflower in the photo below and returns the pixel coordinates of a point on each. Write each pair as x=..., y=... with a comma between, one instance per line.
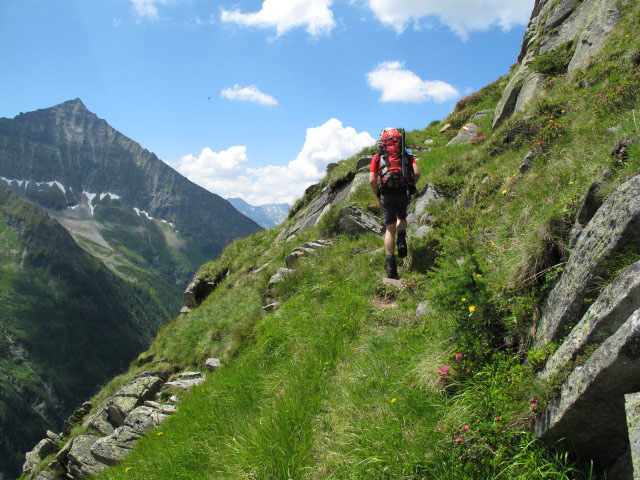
x=159, y=434
x=464, y=299
x=479, y=275
x=504, y=192
x=127, y=469
x=571, y=183
x=393, y=400
x=472, y=308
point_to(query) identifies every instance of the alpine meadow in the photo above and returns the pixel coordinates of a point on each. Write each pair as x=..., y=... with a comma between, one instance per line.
x=509, y=348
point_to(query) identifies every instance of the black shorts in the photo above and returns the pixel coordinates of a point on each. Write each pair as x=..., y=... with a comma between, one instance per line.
x=394, y=205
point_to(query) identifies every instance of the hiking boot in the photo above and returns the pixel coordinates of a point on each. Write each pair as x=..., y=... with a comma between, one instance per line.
x=391, y=268
x=402, y=243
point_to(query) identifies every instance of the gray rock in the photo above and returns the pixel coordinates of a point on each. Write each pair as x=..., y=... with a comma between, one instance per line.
x=197, y=291
x=393, y=282
x=589, y=412
x=445, y=128
x=423, y=309
x=201, y=287
x=331, y=167
x=183, y=384
x=142, y=387
x=420, y=232
x=272, y=307
x=467, y=133
x=352, y=220
x=212, y=364
x=604, y=16
x=259, y=269
x=376, y=252
x=507, y=103
x=143, y=360
x=44, y=475
x=185, y=310
x=632, y=409
x=61, y=456
x=53, y=436
x=532, y=86
x=100, y=422
x=166, y=409
x=590, y=205
x=428, y=141
x=622, y=468
x=479, y=115
x=189, y=375
x=527, y=162
x=291, y=259
x=429, y=196
x=143, y=419
x=364, y=162
x=560, y=13
x=42, y=449
x=279, y=276
x=615, y=227
x=119, y=407
x=114, y=448
x=81, y=463
x=359, y=180
x=613, y=307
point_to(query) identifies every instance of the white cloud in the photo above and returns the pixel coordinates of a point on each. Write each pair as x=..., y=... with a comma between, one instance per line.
x=398, y=84
x=148, y=8
x=226, y=173
x=248, y=94
x=284, y=15
x=461, y=16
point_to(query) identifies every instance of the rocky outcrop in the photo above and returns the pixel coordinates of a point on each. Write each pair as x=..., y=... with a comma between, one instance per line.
x=613, y=307
x=613, y=229
x=304, y=250
x=554, y=23
x=589, y=412
x=354, y=221
x=201, y=287
x=119, y=422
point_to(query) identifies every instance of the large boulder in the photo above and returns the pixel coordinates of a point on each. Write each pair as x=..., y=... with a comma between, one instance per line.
x=352, y=220
x=589, y=412
x=613, y=307
x=613, y=229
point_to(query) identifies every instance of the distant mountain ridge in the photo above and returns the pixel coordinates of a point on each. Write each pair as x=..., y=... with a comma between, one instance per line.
x=267, y=216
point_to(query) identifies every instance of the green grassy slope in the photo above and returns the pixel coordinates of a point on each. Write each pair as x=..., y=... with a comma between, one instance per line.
x=343, y=381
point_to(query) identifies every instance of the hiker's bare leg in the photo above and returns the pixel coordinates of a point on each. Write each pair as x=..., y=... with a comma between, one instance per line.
x=389, y=238
x=402, y=224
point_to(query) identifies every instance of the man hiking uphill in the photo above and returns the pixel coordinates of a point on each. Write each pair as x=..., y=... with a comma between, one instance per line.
x=398, y=173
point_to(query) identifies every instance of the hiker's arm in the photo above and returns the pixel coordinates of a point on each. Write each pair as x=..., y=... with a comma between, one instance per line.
x=416, y=172
x=373, y=181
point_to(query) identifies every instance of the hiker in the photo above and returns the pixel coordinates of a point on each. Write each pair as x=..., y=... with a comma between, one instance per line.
x=398, y=172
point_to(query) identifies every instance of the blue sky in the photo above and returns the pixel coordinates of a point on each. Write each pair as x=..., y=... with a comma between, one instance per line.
x=254, y=98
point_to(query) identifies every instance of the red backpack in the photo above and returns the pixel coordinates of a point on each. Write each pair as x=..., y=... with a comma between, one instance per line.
x=390, y=147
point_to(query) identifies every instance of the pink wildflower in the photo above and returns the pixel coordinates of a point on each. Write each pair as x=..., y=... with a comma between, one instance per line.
x=458, y=440
x=458, y=357
x=466, y=427
x=437, y=429
x=534, y=406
